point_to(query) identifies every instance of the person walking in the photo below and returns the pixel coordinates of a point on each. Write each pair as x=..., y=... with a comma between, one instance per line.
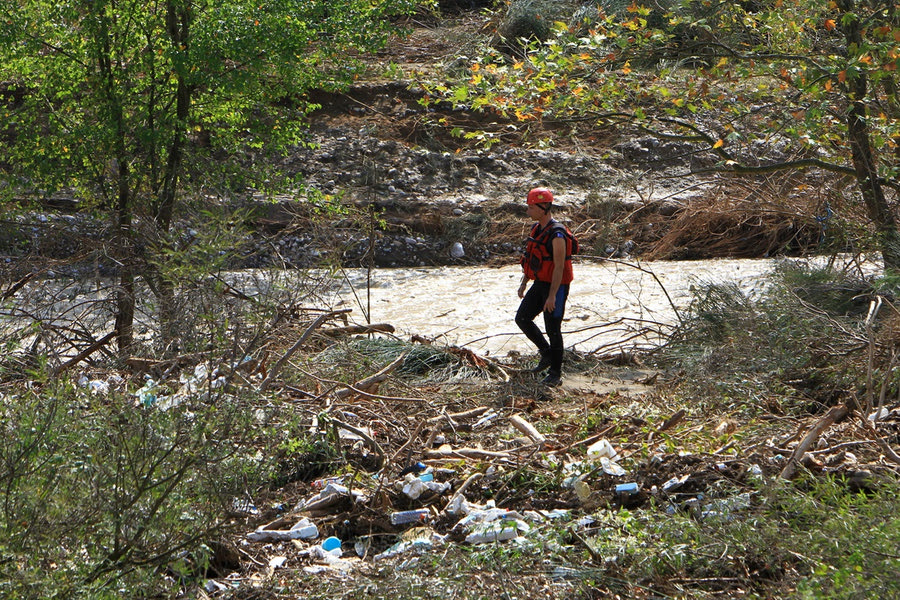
x=548, y=262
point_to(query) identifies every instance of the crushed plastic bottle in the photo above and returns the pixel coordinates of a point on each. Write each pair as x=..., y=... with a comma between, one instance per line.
x=147, y=395
x=495, y=531
x=410, y=516
x=627, y=488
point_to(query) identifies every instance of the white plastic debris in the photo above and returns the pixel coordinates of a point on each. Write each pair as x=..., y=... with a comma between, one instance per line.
x=330, y=494
x=414, y=486
x=878, y=415
x=99, y=387
x=601, y=449
x=302, y=530
x=494, y=531
x=610, y=467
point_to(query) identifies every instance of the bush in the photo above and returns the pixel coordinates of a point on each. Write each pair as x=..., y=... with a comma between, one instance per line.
x=803, y=332
x=99, y=495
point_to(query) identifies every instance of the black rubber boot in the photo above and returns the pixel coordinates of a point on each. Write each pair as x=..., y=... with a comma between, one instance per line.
x=552, y=379
x=543, y=363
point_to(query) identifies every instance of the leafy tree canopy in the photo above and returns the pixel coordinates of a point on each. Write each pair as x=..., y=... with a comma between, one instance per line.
x=759, y=85
x=92, y=84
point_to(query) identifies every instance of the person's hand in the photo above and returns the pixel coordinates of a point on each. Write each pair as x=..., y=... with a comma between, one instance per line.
x=522, y=289
x=550, y=304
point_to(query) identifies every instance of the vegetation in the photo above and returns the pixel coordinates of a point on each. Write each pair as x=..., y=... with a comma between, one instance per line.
x=752, y=88
x=139, y=106
x=148, y=493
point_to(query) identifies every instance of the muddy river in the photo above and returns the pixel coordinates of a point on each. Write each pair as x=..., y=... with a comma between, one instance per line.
x=613, y=306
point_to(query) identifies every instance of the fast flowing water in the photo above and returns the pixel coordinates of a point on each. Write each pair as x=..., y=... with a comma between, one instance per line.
x=613, y=306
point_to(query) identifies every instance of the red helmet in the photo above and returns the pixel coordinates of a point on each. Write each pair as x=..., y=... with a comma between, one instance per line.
x=540, y=196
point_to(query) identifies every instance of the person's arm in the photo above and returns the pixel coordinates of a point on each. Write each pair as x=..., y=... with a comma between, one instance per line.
x=559, y=261
x=523, y=285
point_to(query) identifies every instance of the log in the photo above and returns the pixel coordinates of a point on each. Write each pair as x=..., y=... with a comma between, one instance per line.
x=356, y=329
x=835, y=414
x=528, y=429
x=370, y=382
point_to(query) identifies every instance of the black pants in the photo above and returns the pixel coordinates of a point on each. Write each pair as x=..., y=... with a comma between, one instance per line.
x=530, y=307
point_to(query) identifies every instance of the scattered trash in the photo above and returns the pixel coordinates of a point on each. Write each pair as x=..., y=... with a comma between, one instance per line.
x=601, y=449
x=675, y=482
x=457, y=250
x=496, y=531
x=628, y=488
x=303, y=529
x=332, y=545
x=880, y=414
x=410, y=516
x=726, y=507
x=582, y=490
x=413, y=468
x=419, y=545
x=414, y=486
x=98, y=387
x=485, y=420
x=147, y=394
x=611, y=467
x=212, y=586
x=331, y=494
x=244, y=507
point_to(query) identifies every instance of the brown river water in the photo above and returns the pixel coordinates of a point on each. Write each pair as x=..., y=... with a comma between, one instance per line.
x=613, y=306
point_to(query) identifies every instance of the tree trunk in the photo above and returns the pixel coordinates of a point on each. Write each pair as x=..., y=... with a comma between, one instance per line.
x=861, y=148
x=178, y=20
x=124, y=246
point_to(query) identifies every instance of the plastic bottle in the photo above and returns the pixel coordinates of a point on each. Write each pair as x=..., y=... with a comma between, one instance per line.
x=627, y=488
x=409, y=516
x=601, y=449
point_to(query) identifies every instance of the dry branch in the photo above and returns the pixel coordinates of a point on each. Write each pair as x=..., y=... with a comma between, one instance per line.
x=474, y=453
x=475, y=412
x=370, y=383
x=371, y=443
x=835, y=414
x=287, y=355
x=86, y=352
x=356, y=329
x=528, y=429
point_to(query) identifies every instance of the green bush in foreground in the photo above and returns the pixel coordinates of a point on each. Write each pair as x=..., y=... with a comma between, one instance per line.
x=100, y=497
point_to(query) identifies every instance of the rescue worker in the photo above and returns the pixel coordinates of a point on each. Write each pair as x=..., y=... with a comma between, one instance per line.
x=548, y=262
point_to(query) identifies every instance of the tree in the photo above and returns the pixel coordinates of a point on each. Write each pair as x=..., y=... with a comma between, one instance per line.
x=817, y=79
x=134, y=105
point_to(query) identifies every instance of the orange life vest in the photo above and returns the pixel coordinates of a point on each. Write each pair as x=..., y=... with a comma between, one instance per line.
x=537, y=262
